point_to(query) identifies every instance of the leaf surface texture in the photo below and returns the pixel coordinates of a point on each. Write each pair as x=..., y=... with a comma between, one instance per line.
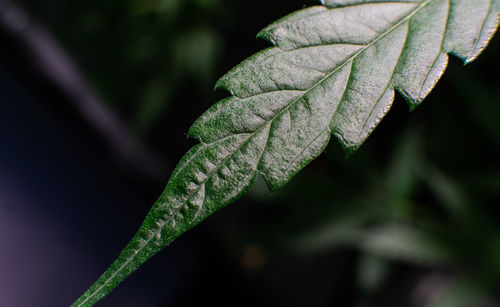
x=333, y=70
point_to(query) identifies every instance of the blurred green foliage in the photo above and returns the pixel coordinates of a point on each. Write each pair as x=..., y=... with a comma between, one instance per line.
x=424, y=190
x=138, y=50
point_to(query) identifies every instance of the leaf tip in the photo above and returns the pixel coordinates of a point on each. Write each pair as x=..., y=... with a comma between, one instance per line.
x=273, y=183
x=350, y=150
x=221, y=85
x=273, y=187
x=410, y=100
x=193, y=132
x=413, y=106
x=348, y=147
x=224, y=84
x=197, y=130
x=469, y=59
x=267, y=35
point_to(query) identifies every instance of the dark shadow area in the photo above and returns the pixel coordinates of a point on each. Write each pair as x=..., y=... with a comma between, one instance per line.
x=409, y=219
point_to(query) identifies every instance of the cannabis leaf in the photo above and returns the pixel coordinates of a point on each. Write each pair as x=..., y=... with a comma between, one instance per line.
x=333, y=70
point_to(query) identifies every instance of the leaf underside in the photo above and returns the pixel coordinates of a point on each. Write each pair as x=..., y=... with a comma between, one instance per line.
x=334, y=69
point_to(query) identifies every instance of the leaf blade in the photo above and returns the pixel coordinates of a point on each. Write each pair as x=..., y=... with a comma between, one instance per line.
x=333, y=70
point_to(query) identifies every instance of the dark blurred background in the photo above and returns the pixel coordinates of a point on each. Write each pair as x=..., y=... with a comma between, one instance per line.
x=96, y=99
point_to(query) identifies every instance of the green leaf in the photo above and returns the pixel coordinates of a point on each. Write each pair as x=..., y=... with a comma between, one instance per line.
x=333, y=70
